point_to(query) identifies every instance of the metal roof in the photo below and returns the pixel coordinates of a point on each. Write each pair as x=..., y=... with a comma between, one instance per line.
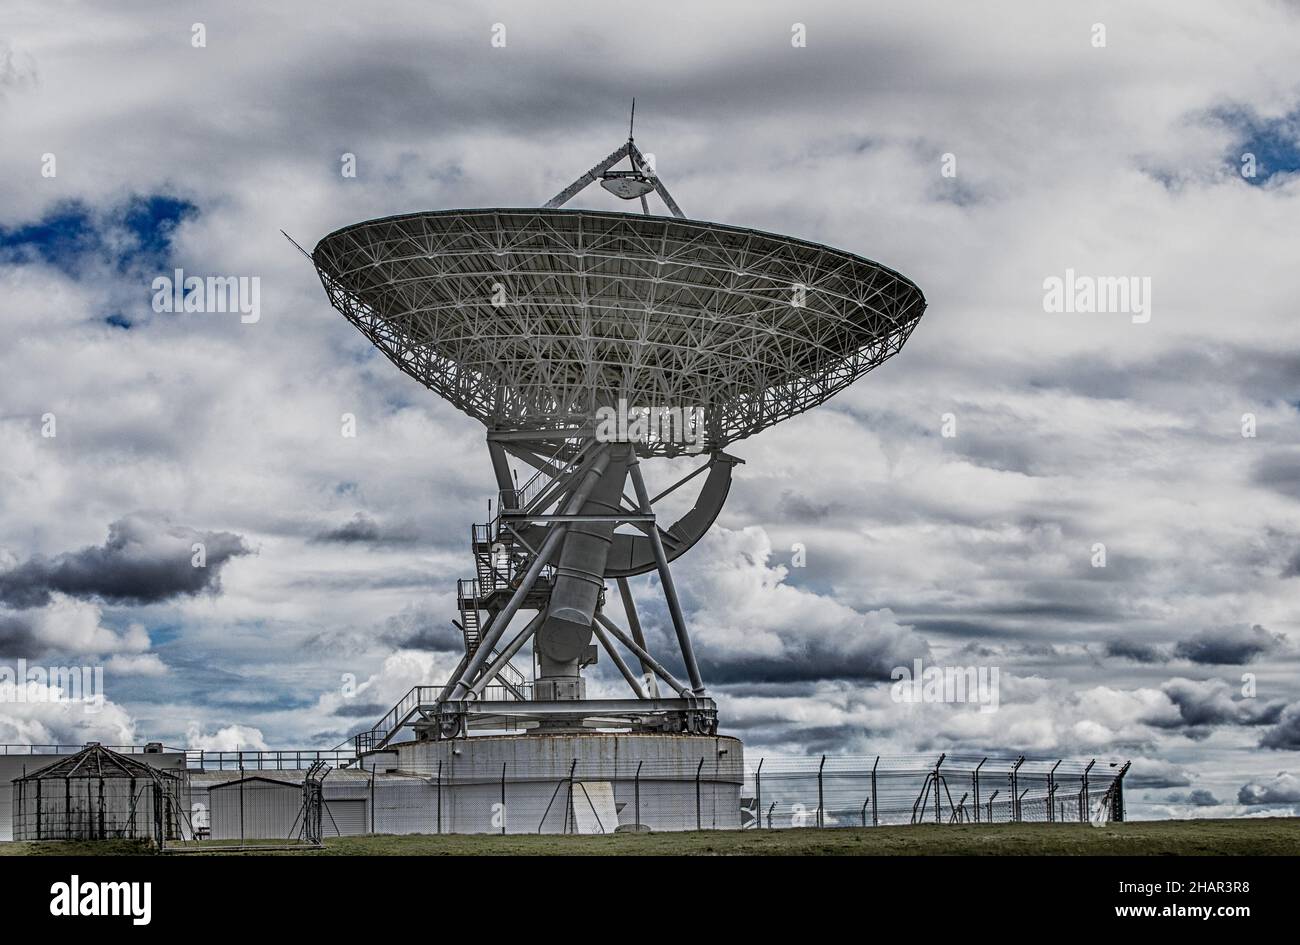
x=535, y=318
x=96, y=761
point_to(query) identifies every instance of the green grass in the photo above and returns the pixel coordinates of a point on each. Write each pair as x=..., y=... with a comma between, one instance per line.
x=1272, y=836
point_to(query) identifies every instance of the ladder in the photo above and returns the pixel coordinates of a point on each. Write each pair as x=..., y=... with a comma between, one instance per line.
x=467, y=599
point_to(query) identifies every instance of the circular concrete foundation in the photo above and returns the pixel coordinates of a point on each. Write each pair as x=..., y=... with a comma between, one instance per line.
x=589, y=782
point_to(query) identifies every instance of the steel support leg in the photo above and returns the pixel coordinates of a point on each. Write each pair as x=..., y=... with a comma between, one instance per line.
x=634, y=625
x=666, y=579
x=643, y=655
x=617, y=657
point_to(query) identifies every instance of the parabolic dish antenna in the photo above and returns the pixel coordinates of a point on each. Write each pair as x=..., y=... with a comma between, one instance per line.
x=537, y=323
x=533, y=319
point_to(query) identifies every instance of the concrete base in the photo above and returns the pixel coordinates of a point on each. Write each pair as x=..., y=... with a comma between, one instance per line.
x=576, y=782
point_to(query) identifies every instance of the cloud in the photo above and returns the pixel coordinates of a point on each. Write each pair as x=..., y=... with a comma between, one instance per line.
x=421, y=627
x=1133, y=650
x=1157, y=773
x=144, y=561
x=1272, y=141
x=1285, y=736
x=46, y=718
x=749, y=624
x=66, y=626
x=1198, y=798
x=1230, y=645
x=136, y=664
x=227, y=738
x=1283, y=788
x=1210, y=702
x=76, y=238
x=1279, y=471
x=362, y=529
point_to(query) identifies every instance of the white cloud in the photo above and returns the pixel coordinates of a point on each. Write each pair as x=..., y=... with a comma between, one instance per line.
x=228, y=738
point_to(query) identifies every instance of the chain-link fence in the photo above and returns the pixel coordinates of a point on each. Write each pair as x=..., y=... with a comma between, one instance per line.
x=839, y=791
x=611, y=795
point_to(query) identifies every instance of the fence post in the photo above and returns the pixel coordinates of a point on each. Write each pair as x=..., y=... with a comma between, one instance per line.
x=372, y=800
x=636, y=788
x=938, y=817
x=1015, y=785
x=758, y=796
x=698, y=823
x=1117, y=796
x=769, y=810
x=1083, y=794
x=821, y=819
x=977, y=788
x=875, y=819
x=991, y=800
x=439, y=797
x=864, y=811
x=1051, y=793
x=159, y=832
x=503, y=798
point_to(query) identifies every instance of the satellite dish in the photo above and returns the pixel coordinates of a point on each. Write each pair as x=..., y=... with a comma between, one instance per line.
x=714, y=331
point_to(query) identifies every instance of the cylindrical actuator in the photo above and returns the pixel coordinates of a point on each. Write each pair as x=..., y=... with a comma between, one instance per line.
x=565, y=636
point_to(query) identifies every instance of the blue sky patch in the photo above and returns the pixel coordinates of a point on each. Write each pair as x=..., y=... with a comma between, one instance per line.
x=74, y=237
x=1275, y=142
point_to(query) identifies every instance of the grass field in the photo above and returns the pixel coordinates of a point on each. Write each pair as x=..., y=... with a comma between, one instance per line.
x=1271, y=836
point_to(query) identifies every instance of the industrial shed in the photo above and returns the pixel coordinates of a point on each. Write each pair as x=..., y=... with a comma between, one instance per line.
x=270, y=807
x=255, y=808
x=97, y=794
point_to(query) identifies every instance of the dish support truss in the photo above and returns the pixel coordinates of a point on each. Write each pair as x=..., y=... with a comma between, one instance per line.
x=550, y=551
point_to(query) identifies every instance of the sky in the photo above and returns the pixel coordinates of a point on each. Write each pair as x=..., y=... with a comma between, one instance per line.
x=950, y=505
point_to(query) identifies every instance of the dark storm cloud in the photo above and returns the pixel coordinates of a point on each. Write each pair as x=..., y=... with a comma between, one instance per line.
x=1285, y=736
x=17, y=636
x=1132, y=650
x=1198, y=798
x=1279, y=471
x=828, y=739
x=1230, y=646
x=1203, y=703
x=814, y=664
x=362, y=529
x=142, y=562
x=795, y=506
x=1259, y=374
x=1292, y=568
x=387, y=82
x=362, y=710
x=1004, y=453
x=1162, y=776
x=421, y=630
x=1013, y=620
